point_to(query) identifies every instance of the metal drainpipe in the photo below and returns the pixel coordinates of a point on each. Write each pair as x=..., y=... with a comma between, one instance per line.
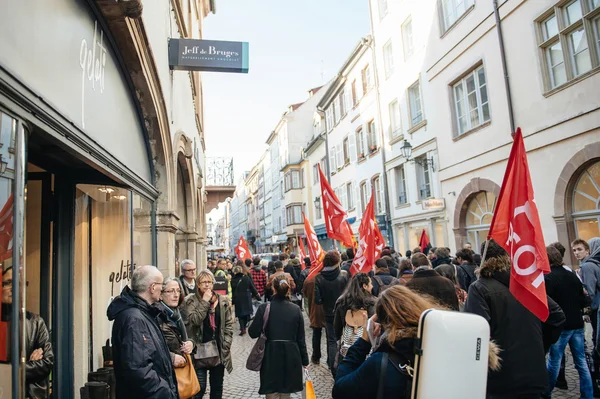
x=511, y=115
x=388, y=213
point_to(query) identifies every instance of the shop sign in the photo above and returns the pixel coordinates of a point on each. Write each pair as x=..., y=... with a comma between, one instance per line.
x=208, y=55
x=434, y=204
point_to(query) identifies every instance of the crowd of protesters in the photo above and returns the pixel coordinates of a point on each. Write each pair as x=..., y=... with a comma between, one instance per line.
x=192, y=317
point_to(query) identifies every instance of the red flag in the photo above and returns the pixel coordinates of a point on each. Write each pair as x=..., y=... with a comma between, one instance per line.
x=516, y=227
x=365, y=255
x=314, y=249
x=241, y=249
x=334, y=214
x=379, y=242
x=424, y=241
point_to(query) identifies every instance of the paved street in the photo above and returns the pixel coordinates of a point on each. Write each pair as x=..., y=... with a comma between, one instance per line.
x=572, y=381
x=244, y=384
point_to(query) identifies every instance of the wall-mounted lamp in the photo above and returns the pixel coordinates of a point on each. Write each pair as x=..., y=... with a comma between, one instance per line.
x=318, y=202
x=3, y=165
x=406, y=151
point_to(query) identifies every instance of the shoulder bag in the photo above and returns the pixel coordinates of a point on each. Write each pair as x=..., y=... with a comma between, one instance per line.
x=187, y=380
x=207, y=354
x=257, y=354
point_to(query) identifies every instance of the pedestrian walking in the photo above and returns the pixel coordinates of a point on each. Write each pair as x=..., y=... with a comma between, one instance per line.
x=352, y=310
x=382, y=278
x=449, y=272
x=259, y=277
x=38, y=348
x=172, y=322
x=141, y=357
x=210, y=325
x=361, y=375
x=223, y=278
x=243, y=291
x=285, y=354
x=188, y=277
x=316, y=315
x=518, y=333
x=442, y=257
x=406, y=270
x=279, y=272
x=465, y=272
x=429, y=282
x=329, y=285
x=567, y=291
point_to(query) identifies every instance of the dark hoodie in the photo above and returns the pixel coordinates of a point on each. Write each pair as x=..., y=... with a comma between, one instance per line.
x=519, y=334
x=143, y=368
x=329, y=286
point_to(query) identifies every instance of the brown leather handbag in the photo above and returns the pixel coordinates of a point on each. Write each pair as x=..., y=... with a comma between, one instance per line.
x=187, y=380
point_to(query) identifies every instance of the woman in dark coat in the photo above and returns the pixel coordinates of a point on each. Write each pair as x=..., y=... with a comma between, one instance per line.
x=285, y=351
x=243, y=290
x=172, y=324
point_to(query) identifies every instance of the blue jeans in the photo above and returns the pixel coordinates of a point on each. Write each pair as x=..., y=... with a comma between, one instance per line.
x=575, y=339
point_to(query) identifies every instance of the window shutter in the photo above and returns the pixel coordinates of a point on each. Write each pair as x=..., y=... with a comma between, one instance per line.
x=352, y=146
x=332, y=155
x=340, y=155
x=343, y=197
x=357, y=203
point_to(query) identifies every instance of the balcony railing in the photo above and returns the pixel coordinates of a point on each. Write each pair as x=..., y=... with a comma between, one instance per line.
x=219, y=171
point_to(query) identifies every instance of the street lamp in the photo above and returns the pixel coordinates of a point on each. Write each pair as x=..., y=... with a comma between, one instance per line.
x=406, y=150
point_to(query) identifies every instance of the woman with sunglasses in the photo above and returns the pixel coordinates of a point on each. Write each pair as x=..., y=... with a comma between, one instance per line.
x=172, y=323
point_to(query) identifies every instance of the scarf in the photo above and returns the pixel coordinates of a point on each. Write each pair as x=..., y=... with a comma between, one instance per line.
x=211, y=315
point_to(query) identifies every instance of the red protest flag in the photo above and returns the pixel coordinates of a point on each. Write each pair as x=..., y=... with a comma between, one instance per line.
x=334, y=214
x=516, y=227
x=241, y=249
x=379, y=241
x=365, y=255
x=314, y=249
x=302, y=251
x=424, y=241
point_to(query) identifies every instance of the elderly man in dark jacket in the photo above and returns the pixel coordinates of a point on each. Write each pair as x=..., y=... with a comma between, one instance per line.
x=329, y=286
x=143, y=365
x=517, y=331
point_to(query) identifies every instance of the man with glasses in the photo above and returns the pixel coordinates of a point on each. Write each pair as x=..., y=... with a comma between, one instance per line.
x=142, y=362
x=188, y=277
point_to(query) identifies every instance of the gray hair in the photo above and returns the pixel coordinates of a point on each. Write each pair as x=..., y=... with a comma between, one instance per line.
x=143, y=277
x=169, y=279
x=186, y=262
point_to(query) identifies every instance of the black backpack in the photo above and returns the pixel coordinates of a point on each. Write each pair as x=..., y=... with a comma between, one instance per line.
x=383, y=287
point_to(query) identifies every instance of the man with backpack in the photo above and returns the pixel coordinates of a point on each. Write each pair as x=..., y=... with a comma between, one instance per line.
x=465, y=271
x=382, y=279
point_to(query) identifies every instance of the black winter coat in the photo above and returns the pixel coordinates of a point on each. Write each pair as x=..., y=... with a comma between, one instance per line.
x=358, y=377
x=142, y=362
x=567, y=291
x=517, y=332
x=285, y=352
x=465, y=274
x=329, y=286
x=242, y=290
x=440, y=288
x=386, y=279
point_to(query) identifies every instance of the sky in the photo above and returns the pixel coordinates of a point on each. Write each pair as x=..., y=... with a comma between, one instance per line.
x=294, y=46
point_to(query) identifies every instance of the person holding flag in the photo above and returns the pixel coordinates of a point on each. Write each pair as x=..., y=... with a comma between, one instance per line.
x=241, y=250
x=510, y=293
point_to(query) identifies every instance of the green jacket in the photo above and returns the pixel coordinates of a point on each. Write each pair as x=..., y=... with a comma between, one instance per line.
x=197, y=311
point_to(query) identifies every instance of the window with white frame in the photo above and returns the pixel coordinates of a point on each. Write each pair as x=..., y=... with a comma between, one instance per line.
x=383, y=8
x=423, y=177
x=407, y=38
x=414, y=100
x=342, y=196
x=366, y=79
x=323, y=163
x=395, y=125
x=332, y=159
x=388, y=59
x=471, y=101
x=315, y=174
x=339, y=154
x=364, y=196
x=452, y=10
x=293, y=180
x=371, y=136
x=401, y=197
x=293, y=214
x=378, y=195
x=342, y=99
x=336, y=111
x=346, y=150
x=329, y=118
x=350, y=195
x=360, y=143
x=565, y=32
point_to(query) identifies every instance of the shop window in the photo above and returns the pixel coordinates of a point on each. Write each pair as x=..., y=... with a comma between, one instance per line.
x=479, y=217
x=586, y=203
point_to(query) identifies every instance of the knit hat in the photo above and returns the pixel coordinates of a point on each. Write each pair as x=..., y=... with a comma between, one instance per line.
x=494, y=250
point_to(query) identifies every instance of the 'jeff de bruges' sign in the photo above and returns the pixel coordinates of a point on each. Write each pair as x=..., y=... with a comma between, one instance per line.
x=208, y=55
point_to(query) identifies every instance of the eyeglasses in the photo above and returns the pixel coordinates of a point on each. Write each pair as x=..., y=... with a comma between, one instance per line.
x=189, y=270
x=173, y=291
x=205, y=282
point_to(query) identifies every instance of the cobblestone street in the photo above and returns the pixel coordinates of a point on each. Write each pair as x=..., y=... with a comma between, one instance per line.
x=244, y=384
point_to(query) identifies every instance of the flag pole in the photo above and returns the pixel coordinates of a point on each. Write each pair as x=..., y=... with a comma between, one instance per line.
x=487, y=243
